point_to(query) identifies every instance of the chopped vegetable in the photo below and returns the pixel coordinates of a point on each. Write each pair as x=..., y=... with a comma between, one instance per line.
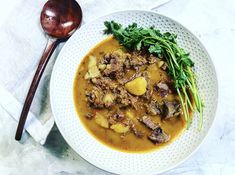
x=120, y=128
x=93, y=70
x=101, y=120
x=160, y=63
x=108, y=99
x=102, y=66
x=130, y=115
x=92, y=61
x=137, y=86
x=164, y=46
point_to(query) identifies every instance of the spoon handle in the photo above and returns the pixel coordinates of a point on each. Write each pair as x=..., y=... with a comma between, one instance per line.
x=51, y=45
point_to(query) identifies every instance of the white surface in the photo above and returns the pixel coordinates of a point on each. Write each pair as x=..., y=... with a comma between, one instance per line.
x=213, y=22
x=74, y=132
x=19, y=57
x=38, y=131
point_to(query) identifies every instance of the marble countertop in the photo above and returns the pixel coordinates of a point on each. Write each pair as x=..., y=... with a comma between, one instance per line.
x=213, y=22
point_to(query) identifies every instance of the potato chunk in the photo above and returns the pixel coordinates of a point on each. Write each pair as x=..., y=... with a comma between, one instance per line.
x=120, y=128
x=102, y=66
x=101, y=120
x=108, y=99
x=137, y=86
x=160, y=63
x=93, y=70
x=92, y=61
x=130, y=115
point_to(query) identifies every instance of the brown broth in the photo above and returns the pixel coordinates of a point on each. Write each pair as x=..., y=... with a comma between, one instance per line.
x=129, y=143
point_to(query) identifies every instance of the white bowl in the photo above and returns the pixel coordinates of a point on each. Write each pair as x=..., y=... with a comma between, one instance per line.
x=106, y=158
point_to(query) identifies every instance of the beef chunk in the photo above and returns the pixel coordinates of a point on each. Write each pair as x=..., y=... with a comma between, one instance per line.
x=135, y=61
x=153, y=108
x=151, y=59
x=116, y=117
x=111, y=120
x=89, y=116
x=137, y=133
x=133, y=101
x=149, y=90
x=98, y=98
x=94, y=98
x=104, y=83
x=122, y=97
x=148, y=94
x=148, y=122
x=119, y=116
x=163, y=65
x=114, y=62
x=114, y=69
x=162, y=89
x=125, y=99
x=171, y=109
x=158, y=136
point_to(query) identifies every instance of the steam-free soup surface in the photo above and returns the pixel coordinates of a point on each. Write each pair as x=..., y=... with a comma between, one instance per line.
x=126, y=100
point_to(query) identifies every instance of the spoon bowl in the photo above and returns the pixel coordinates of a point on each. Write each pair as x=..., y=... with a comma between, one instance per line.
x=59, y=20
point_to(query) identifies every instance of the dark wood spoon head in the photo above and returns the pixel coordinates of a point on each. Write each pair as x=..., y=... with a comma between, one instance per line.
x=60, y=18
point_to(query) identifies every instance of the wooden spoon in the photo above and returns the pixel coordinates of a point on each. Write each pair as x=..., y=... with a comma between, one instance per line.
x=59, y=20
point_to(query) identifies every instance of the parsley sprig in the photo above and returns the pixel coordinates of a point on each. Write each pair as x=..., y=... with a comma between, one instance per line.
x=164, y=46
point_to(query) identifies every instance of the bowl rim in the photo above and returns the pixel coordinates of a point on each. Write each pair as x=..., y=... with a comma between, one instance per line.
x=209, y=59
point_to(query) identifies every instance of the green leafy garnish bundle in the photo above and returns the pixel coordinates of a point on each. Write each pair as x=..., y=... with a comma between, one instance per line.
x=164, y=46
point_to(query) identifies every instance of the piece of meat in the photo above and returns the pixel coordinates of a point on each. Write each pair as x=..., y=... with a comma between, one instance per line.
x=124, y=99
x=122, y=81
x=171, y=85
x=149, y=123
x=111, y=120
x=135, y=61
x=153, y=108
x=104, y=83
x=133, y=101
x=89, y=116
x=121, y=54
x=162, y=89
x=146, y=75
x=137, y=133
x=94, y=98
x=114, y=64
x=163, y=65
x=114, y=70
x=149, y=90
x=98, y=98
x=158, y=136
x=151, y=59
x=119, y=116
x=106, y=59
x=148, y=94
x=170, y=109
x=122, y=96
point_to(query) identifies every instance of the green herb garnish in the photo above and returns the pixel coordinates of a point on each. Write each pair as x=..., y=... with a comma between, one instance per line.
x=164, y=46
